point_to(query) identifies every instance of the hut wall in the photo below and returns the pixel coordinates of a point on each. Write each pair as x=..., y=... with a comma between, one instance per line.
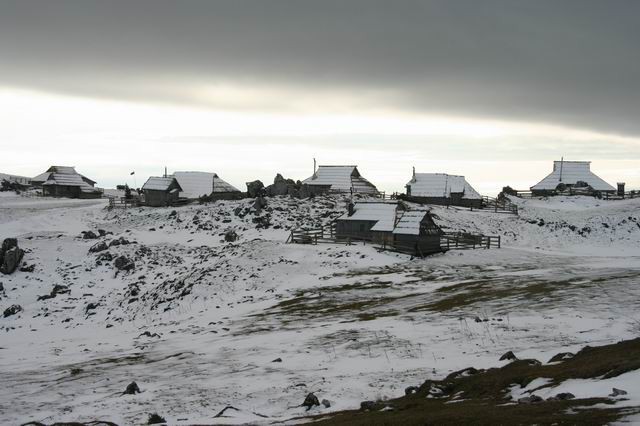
x=428, y=244
x=61, y=191
x=227, y=195
x=354, y=229
x=317, y=189
x=156, y=198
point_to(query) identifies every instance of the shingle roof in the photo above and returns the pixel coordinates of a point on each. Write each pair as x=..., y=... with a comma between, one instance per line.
x=59, y=171
x=382, y=213
x=155, y=183
x=569, y=173
x=197, y=184
x=409, y=222
x=341, y=179
x=441, y=185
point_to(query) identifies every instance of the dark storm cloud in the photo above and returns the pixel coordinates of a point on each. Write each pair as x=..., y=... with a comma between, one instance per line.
x=565, y=62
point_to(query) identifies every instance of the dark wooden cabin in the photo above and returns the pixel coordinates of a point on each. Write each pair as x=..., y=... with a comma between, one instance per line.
x=161, y=191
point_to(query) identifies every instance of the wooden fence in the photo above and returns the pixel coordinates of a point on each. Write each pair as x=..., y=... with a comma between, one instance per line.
x=464, y=241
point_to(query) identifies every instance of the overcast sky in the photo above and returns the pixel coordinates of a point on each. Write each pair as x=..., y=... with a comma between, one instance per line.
x=249, y=88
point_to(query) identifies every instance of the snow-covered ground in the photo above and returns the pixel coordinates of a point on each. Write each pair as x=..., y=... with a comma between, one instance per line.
x=201, y=323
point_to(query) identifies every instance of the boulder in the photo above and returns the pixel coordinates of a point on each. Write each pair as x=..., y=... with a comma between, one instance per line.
x=310, y=401
x=326, y=403
x=254, y=188
x=617, y=392
x=89, y=235
x=509, y=356
x=230, y=236
x=12, y=310
x=132, y=389
x=98, y=247
x=367, y=405
x=533, y=399
x=11, y=260
x=123, y=263
x=561, y=356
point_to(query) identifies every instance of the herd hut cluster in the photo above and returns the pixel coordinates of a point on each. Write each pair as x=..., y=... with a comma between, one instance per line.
x=181, y=187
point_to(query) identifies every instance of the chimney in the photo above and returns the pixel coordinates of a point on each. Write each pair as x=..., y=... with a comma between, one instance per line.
x=350, y=208
x=314, y=167
x=414, y=173
x=621, y=189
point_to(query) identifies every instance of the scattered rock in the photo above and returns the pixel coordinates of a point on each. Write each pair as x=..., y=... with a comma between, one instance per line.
x=123, y=263
x=533, y=399
x=617, y=392
x=98, y=247
x=91, y=306
x=509, y=356
x=29, y=268
x=119, y=241
x=155, y=419
x=411, y=390
x=89, y=235
x=230, y=236
x=132, y=389
x=10, y=256
x=564, y=396
x=277, y=360
x=56, y=290
x=310, y=401
x=367, y=405
x=12, y=310
x=326, y=403
x=561, y=356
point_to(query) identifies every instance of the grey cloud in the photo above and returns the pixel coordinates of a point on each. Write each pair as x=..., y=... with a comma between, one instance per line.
x=566, y=62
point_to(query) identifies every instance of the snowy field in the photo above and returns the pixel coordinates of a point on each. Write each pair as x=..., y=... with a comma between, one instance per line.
x=257, y=324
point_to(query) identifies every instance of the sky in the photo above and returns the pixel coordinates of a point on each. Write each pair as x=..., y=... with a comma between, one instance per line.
x=493, y=90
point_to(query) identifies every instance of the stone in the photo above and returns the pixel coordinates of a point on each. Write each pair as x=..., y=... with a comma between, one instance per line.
x=310, y=401
x=12, y=310
x=564, y=396
x=326, y=403
x=155, y=419
x=230, y=236
x=509, y=356
x=89, y=235
x=98, y=247
x=411, y=390
x=132, y=389
x=255, y=188
x=277, y=360
x=123, y=263
x=367, y=405
x=533, y=399
x=617, y=392
x=561, y=356
x=11, y=261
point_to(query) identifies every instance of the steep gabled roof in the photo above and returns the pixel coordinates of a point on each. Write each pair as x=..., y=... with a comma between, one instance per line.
x=156, y=183
x=341, y=179
x=61, y=171
x=197, y=184
x=384, y=214
x=441, y=185
x=569, y=173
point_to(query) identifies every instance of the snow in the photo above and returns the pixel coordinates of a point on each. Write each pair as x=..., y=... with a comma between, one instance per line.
x=348, y=322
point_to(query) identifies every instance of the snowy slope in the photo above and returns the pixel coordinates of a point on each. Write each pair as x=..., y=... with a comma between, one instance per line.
x=199, y=321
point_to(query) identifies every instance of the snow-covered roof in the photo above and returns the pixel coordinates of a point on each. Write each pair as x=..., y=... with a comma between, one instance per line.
x=441, y=185
x=59, y=171
x=197, y=184
x=14, y=178
x=155, y=183
x=341, y=179
x=384, y=214
x=569, y=173
x=409, y=222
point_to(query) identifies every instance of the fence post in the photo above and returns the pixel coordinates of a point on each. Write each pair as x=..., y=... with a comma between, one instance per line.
x=499, y=237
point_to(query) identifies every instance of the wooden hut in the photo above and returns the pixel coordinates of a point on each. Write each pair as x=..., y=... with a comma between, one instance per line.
x=368, y=221
x=338, y=179
x=572, y=177
x=206, y=185
x=442, y=189
x=394, y=226
x=65, y=181
x=161, y=191
x=417, y=233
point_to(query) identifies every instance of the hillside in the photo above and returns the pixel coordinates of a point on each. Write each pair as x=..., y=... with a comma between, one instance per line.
x=201, y=323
